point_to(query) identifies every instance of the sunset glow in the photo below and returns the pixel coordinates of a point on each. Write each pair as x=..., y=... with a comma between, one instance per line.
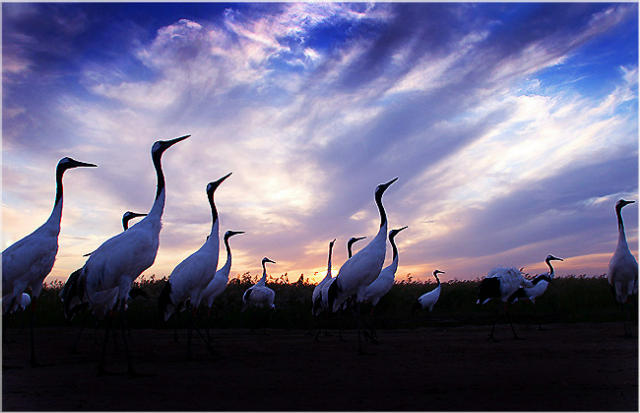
x=513, y=129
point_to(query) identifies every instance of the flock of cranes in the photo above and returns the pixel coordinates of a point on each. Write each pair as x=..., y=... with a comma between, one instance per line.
x=104, y=283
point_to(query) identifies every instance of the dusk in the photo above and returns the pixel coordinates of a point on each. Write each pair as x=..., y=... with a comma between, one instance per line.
x=482, y=156
x=512, y=128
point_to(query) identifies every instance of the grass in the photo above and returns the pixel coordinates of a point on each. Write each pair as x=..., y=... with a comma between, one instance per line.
x=568, y=299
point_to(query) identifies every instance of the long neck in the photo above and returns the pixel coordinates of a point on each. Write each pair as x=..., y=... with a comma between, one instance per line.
x=392, y=240
x=227, y=264
x=437, y=279
x=548, y=261
x=349, y=249
x=56, y=212
x=158, y=204
x=214, y=212
x=383, y=215
x=263, y=280
x=621, y=236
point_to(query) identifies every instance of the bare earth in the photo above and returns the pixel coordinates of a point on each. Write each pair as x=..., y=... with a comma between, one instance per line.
x=587, y=366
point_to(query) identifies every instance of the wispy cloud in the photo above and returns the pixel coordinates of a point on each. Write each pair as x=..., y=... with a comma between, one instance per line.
x=311, y=106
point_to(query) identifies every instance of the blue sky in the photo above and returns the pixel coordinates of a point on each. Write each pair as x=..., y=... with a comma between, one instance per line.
x=512, y=128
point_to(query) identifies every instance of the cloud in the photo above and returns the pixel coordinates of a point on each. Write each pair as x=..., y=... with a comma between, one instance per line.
x=311, y=106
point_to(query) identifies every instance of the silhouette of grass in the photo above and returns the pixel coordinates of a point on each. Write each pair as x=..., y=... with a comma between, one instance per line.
x=568, y=299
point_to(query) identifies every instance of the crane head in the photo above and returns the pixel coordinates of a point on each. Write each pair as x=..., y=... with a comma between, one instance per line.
x=551, y=257
x=383, y=187
x=265, y=260
x=68, y=163
x=230, y=234
x=354, y=239
x=395, y=232
x=212, y=186
x=160, y=146
x=621, y=203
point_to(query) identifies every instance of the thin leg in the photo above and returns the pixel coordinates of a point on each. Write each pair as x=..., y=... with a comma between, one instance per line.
x=359, y=323
x=76, y=343
x=189, y=331
x=101, y=369
x=537, y=316
x=34, y=362
x=493, y=328
x=508, y=316
x=626, y=323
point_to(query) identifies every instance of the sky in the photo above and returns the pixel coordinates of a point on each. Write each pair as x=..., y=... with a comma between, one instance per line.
x=513, y=129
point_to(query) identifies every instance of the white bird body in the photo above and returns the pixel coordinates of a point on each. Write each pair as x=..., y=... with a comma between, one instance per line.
x=506, y=284
x=510, y=280
x=384, y=282
x=22, y=303
x=221, y=278
x=540, y=282
x=73, y=294
x=428, y=300
x=190, y=277
x=318, y=299
x=531, y=293
x=623, y=267
x=364, y=267
x=259, y=295
x=112, y=268
x=324, y=292
x=26, y=263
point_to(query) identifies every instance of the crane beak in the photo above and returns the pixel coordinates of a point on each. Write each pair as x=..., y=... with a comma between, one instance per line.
x=83, y=164
x=390, y=182
x=170, y=142
x=219, y=181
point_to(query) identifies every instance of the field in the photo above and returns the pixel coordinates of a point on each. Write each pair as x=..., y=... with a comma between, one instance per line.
x=442, y=361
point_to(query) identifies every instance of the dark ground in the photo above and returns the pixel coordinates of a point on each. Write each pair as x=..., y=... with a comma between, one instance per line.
x=581, y=366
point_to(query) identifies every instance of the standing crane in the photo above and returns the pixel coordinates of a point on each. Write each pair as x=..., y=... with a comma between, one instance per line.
x=221, y=278
x=191, y=276
x=381, y=285
x=112, y=268
x=503, y=284
x=429, y=299
x=73, y=295
x=219, y=282
x=259, y=295
x=540, y=283
x=623, y=268
x=316, y=296
x=361, y=269
x=26, y=263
